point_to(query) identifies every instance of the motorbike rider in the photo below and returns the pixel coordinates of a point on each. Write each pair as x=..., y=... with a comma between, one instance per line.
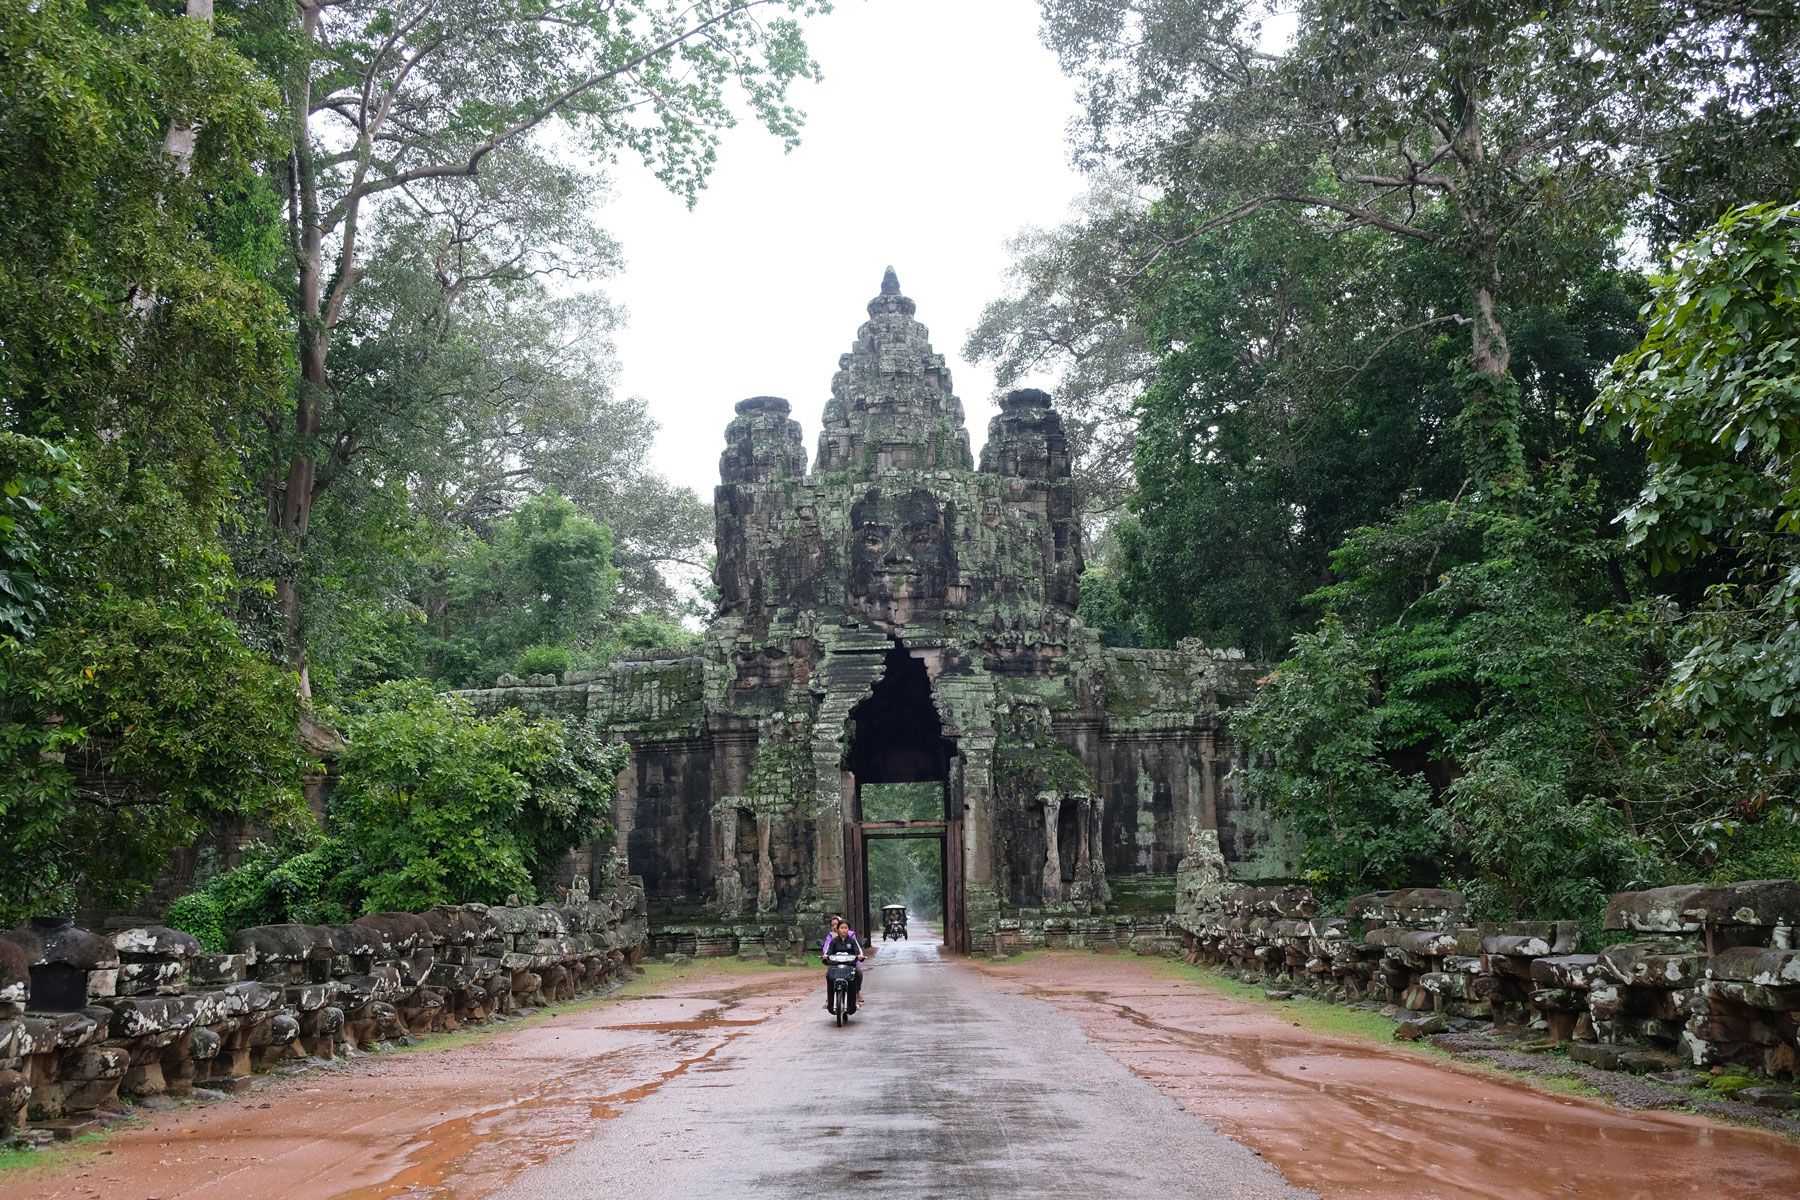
x=843, y=940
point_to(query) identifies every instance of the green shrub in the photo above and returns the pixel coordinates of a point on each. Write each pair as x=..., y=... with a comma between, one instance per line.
x=544, y=660
x=199, y=914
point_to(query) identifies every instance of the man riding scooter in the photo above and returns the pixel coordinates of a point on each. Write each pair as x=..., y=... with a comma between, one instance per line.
x=843, y=940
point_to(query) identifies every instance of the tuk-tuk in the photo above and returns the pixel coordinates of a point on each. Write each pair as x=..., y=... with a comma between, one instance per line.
x=893, y=922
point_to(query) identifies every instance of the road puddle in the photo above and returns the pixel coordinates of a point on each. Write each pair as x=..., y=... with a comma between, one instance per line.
x=1348, y=1118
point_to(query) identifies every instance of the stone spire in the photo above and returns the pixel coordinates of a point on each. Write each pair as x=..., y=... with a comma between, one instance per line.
x=891, y=406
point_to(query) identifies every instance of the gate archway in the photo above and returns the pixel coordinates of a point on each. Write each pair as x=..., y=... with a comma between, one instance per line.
x=896, y=737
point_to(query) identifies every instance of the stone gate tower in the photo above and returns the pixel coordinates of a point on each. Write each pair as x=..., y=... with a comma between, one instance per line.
x=896, y=614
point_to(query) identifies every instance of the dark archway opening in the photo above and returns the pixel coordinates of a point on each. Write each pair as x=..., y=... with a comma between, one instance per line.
x=897, y=739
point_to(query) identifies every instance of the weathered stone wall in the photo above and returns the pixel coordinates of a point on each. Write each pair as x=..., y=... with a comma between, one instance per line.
x=1713, y=977
x=86, y=1018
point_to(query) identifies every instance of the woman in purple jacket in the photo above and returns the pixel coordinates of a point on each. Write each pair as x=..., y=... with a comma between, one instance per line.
x=842, y=940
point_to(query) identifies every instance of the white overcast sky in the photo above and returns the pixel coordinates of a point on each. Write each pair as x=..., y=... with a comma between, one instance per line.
x=939, y=131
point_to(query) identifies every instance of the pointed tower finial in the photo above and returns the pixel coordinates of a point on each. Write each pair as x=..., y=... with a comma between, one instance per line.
x=890, y=283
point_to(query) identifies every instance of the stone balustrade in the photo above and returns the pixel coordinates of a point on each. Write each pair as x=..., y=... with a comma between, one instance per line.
x=1713, y=972
x=86, y=1018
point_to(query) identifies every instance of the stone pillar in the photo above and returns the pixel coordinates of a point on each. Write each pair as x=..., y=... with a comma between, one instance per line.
x=728, y=885
x=1053, y=883
x=829, y=782
x=624, y=808
x=765, y=866
x=1102, y=894
x=978, y=795
x=1081, y=892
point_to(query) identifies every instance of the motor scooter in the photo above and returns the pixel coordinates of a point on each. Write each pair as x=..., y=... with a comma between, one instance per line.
x=840, y=979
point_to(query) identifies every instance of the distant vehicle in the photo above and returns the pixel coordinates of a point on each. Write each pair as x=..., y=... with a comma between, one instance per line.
x=840, y=977
x=893, y=922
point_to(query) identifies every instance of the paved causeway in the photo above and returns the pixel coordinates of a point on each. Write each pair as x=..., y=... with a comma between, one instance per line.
x=941, y=1086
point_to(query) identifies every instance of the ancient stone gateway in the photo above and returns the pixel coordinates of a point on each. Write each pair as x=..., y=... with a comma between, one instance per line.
x=897, y=614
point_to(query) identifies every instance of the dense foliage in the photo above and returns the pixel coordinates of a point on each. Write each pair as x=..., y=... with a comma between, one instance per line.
x=306, y=386
x=136, y=345
x=434, y=806
x=1362, y=290
x=1714, y=394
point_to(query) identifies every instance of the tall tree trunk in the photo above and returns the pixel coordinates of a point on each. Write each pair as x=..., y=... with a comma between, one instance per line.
x=293, y=513
x=1490, y=414
x=178, y=142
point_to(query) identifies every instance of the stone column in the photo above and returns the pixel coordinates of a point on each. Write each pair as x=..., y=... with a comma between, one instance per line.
x=1082, y=891
x=1053, y=883
x=978, y=795
x=1097, y=862
x=829, y=784
x=624, y=809
x=728, y=885
x=765, y=866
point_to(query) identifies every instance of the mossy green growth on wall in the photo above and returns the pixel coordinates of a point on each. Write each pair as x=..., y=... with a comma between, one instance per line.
x=782, y=770
x=1028, y=759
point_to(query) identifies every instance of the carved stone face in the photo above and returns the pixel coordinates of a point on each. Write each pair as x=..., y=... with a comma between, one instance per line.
x=901, y=560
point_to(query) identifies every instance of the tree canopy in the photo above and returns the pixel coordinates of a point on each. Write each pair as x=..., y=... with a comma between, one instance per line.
x=306, y=387
x=1362, y=285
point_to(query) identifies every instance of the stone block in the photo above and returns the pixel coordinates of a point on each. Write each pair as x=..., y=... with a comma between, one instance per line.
x=309, y=996
x=263, y=945
x=149, y=977
x=155, y=941
x=95, y=1062
x=1758, y=965
x=48, y=941
x=1565, y=970
x=217, y=970
x=205, y=1045
x=1516, y=946
x=1428, y=943
x=1418, y=1028
x=76, y=1029
x=1653, y=964
x=1690, y=908
x=143, y=1016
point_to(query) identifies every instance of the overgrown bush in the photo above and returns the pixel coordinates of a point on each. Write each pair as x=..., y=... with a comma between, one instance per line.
x=543, y=660
x=435, y=805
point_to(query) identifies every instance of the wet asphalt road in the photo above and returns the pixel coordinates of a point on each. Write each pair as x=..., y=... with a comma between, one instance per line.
x=941, y=1086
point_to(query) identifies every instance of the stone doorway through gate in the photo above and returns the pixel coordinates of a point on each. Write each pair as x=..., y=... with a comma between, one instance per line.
x=897, y=738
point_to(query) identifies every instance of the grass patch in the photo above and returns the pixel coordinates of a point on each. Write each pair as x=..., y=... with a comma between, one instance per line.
x=1343, y=1020
x=1317, y=1015
x=58, y=1156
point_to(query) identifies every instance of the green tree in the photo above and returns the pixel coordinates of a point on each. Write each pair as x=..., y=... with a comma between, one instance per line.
x=439, y=806
x=1714, y=394
x=544, y=577
x=1478, y=664
x=435, y=805
x=392, y=118
x=136, y=344
x=1317, y=721
x=1494, y=137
